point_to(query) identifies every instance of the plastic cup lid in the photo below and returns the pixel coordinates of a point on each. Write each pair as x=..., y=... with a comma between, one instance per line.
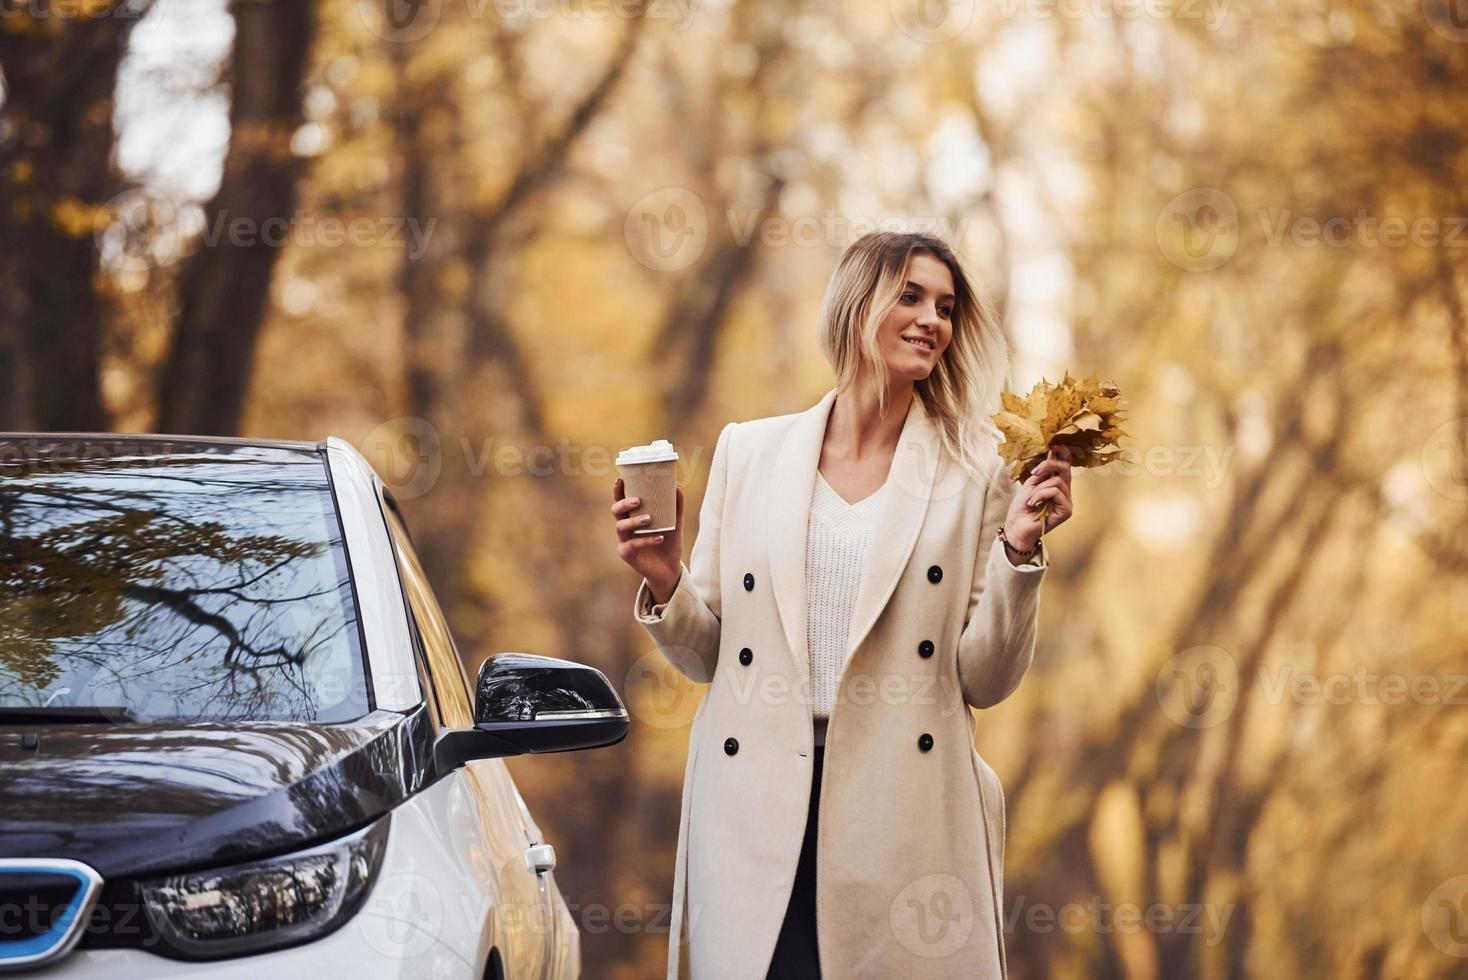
x=654, y=452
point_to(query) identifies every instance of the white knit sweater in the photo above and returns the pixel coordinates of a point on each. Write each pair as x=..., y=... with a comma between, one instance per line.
x=836, y=544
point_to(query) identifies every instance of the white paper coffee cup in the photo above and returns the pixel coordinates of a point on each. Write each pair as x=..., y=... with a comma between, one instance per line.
x=650, y=472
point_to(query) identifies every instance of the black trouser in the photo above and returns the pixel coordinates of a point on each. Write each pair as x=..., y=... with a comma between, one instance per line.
x=796, y=956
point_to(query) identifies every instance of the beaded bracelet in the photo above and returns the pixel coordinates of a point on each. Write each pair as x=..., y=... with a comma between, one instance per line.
x=1007, y=544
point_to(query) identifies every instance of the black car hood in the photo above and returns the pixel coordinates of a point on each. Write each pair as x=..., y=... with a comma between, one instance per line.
x=148, y=798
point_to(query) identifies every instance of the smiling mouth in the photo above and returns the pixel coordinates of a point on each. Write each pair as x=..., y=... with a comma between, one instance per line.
x=920, y=343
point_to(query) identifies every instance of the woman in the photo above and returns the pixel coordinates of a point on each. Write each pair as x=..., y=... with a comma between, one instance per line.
x=865, y=571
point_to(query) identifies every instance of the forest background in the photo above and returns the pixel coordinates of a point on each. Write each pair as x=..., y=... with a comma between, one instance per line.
x=493, y=243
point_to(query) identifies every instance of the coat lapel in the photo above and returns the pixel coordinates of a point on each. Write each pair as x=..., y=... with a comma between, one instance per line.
x=789, y=515
x=917, y=466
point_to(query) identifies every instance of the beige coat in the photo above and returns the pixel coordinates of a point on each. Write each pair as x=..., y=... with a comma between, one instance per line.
x=911, y=834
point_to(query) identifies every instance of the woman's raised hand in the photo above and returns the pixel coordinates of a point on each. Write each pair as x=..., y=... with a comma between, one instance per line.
x=656, y=557
x=1049, y=482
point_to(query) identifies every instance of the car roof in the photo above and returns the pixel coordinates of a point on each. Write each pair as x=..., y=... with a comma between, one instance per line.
x=140, y=441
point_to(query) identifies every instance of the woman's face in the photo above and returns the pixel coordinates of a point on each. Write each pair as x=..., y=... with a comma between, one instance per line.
x=913, y=335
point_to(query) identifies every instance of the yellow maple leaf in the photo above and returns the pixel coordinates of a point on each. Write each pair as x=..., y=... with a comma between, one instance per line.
x=1083, y=415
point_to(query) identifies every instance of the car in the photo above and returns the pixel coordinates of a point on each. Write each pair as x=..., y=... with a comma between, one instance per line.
x=237, y=738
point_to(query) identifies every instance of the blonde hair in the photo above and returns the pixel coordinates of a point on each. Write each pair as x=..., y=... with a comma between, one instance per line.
x=962, y=390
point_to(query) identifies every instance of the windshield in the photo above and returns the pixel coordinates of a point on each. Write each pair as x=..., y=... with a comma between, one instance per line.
x=174, y=581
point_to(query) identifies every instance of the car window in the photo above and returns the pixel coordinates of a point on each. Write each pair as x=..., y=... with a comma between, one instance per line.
x=175, y=581
x=438, y=644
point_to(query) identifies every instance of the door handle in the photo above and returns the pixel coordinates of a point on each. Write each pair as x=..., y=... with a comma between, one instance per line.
x=540, y=858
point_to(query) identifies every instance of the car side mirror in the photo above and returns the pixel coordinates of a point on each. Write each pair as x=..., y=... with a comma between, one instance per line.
x=527, y=703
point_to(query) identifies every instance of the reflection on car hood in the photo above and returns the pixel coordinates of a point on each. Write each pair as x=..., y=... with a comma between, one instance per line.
x=145, y=798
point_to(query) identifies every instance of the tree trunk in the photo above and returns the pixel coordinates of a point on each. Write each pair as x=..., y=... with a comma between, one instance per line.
x=55, y=181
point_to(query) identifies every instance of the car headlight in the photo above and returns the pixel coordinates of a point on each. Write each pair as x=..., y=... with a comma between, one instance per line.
x=280, y=901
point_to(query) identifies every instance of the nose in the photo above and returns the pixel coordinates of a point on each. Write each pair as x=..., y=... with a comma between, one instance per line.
x=928, y=318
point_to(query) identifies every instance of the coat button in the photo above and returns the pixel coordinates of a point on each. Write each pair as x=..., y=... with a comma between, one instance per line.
x=745, y=656
x=935, y=574
x=748, y=582
x=925, y=742
x=925, y=648
x=731, y=745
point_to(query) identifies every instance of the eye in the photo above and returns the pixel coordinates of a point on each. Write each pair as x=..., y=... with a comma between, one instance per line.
x=947, y=312
x=909, y=297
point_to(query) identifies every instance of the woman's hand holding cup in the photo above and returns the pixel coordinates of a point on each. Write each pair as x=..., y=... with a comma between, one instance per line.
x=656, y=557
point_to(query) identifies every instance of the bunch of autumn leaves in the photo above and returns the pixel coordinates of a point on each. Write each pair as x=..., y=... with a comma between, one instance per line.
x=1085, y=416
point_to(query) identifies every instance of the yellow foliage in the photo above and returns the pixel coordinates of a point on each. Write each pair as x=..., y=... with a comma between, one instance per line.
x=1084, y=416
x=76, y=217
